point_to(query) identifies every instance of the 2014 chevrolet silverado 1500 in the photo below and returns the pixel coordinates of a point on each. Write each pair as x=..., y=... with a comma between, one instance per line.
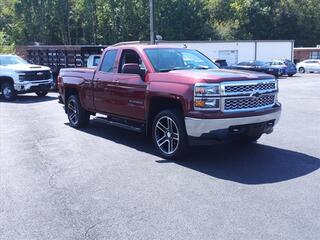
x=18, y=76
x=176, y=95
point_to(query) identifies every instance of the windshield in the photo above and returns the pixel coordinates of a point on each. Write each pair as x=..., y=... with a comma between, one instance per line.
x=167, y=59
x=11, y=60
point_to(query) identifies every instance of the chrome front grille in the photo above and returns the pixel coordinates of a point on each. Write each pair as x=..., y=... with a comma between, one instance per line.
x=263, y=86
x=250, y=95
x=249, y=103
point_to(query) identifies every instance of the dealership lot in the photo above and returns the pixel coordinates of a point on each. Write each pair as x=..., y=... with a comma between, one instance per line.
x=106, y=183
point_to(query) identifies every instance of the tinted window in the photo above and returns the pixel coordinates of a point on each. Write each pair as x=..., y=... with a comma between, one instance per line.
x=108, y=61
x=167, y=59
x=130, y=56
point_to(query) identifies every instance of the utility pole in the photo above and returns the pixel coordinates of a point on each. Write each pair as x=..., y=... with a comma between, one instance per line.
x=151, y=5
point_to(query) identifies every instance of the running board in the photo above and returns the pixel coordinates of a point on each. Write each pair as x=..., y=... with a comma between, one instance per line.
x=121, y=125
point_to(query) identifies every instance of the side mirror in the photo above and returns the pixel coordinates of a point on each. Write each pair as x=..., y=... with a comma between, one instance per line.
x=133, y=68
x=30, y=61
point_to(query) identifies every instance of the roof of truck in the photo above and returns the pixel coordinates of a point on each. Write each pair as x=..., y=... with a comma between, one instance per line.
x=141, y=46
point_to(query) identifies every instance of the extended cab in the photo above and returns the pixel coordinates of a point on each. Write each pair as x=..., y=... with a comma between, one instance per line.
x=18, y=76
x=176, y=95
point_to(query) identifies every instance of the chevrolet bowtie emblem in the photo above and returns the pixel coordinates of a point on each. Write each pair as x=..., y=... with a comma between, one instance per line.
x=255, y=94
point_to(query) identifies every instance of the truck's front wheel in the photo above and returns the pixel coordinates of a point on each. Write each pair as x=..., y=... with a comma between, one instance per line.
x=169, y=134
x=8, y=92
x=77, y=115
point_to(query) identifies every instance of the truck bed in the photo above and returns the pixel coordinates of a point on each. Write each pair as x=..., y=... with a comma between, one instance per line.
x=79, y=73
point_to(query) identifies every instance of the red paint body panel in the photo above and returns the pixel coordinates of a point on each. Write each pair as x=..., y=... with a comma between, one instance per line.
x=128, y=95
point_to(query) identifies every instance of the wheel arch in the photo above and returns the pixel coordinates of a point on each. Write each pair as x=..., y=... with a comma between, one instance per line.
x=158, y=104
x=69, y=91
x=6, y=79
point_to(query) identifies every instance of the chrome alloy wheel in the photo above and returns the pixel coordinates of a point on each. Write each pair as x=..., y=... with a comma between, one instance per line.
x=73, y=112
x=167, y=135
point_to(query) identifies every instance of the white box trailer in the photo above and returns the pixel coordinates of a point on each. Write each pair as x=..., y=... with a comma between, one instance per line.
x=238, y=51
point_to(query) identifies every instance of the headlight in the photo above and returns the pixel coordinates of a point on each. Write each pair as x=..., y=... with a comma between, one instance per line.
x=206, y=97
x=206, y=89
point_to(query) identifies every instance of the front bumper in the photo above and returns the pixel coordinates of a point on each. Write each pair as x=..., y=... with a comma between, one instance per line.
x=225, y=127
x=32, y=86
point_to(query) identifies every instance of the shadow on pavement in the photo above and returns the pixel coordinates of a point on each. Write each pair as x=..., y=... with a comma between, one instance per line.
x=26, y=99
x=247, y=164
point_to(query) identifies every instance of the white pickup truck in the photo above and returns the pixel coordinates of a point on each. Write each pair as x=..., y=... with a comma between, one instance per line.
x=93, y=61
x=18, y=76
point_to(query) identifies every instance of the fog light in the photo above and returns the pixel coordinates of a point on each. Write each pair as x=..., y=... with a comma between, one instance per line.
x=207, y=104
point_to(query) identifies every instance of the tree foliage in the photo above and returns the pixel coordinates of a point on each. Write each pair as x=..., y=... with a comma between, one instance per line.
x=111, y=21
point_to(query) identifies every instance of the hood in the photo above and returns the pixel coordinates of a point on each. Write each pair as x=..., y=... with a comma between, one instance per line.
x=24, y=67
x=220, y=75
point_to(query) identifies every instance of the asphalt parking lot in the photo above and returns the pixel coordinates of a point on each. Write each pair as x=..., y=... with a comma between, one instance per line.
x=106, y=183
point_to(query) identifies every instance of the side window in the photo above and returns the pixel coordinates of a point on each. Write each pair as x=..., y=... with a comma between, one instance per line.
x=130, y=56
x=108, y=61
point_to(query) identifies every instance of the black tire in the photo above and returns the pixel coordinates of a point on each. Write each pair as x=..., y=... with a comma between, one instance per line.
x=8, y=92
x=302, y=70
x=290, y=75
x=41, y=93
x=169, y=134
x=248, y=139
x=77, y=115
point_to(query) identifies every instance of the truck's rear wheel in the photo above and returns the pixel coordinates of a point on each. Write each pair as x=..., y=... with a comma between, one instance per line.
x=41, y=93
x=8, y=92
x=77, y=115
x=169, y=134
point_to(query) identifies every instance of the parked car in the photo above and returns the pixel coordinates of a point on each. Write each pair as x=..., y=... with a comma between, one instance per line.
x=259, y=66
x=152, y=89
x=18, y=76
x=310, y=65
x=222, y=63
x=93, y=61
x=288, y=67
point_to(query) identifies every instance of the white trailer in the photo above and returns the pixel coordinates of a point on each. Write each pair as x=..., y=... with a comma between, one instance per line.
x=237, y=51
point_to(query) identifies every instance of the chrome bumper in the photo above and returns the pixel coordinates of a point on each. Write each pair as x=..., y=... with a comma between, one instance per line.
x=197, y=127
x=26, y=86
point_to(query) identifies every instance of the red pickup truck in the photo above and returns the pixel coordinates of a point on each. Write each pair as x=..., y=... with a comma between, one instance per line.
x=176, y=95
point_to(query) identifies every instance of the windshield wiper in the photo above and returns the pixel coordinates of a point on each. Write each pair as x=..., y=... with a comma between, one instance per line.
x=201, y=67
x=172, y=69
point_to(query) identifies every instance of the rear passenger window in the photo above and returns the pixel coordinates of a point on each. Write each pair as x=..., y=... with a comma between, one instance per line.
x=108, y=61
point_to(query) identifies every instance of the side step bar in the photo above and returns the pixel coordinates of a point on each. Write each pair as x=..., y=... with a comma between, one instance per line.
x=122, y=124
